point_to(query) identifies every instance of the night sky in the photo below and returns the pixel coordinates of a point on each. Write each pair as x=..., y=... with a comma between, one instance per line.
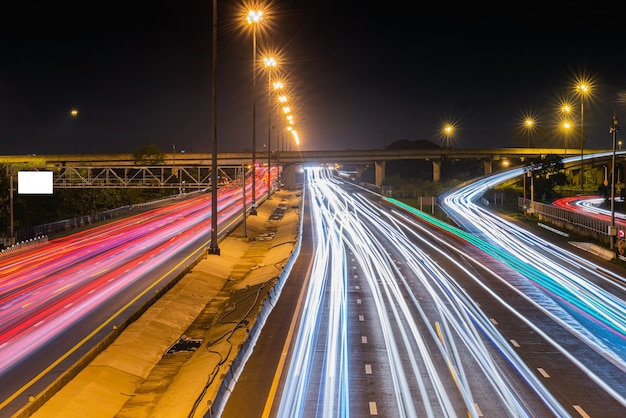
x=360, y=75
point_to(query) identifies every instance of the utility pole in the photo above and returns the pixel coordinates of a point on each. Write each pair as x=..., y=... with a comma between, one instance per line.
x=213, y=247
x=612, y=230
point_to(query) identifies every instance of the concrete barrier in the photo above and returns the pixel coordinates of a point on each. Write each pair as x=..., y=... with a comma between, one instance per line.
x=595, y=249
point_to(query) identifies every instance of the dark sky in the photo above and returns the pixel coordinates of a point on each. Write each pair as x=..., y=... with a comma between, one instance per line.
x=360, y=74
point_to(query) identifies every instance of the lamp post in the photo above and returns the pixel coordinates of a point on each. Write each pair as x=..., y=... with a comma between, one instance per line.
x=531, y=174
x=566, y=127
x=74, y=115
x=524, y=182
x=529, y=124
x=447, y=131
x=253, y=18
x=243, y=186
x=214, y=247
x=566, y=110
x=583, y=90
x=270, y=64
x=612, y=230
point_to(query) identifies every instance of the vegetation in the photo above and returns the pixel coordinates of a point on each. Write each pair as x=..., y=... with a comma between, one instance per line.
x=149, y=155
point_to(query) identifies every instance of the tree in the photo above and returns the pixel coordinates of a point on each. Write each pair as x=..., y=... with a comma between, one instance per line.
x=149, y=155
x=547, y=174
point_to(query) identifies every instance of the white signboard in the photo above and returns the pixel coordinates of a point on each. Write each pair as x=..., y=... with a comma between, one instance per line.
x=34, y=182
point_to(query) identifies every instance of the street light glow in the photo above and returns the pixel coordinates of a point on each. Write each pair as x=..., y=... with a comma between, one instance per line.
x=583, y=89
x=448, y=130
x=270, y=62
x=254, y=16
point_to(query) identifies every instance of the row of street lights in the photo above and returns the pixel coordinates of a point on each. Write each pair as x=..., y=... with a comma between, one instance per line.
x=254, y=17
x=582, y=89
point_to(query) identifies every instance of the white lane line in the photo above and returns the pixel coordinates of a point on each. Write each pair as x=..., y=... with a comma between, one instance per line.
x=363, y=339
x=515, y=343
x=373, y=408
x=361, y=318
x=368, y=369
x=543, y=372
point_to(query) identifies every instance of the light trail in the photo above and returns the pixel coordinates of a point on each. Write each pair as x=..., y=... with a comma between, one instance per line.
x=48, y=289
x=565, y=285
x=416, y=313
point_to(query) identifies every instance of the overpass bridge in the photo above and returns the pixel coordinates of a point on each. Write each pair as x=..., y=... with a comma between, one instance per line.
x=194, y=170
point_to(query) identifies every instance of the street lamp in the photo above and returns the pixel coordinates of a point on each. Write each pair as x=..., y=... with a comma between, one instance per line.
x=532, y=188
x=214, y=246
x=74, y=115
x=566, y=128
x=613, y=131
x=447, y=131
x=529, y=124
x=270, y=64
x=583, y=89
x=254, y=18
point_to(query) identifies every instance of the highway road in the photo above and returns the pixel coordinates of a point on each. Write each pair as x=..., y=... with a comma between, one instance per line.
x=400, y=314
x=390, y=312
x=61, y=298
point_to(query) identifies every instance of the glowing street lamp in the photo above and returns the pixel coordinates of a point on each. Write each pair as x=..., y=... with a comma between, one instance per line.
x=566, y=129
x=74, y=115
x=529, y=125
x=448, y=130
x=566, y=125
x=270, y=64
x=254, y=18
x=583, y=89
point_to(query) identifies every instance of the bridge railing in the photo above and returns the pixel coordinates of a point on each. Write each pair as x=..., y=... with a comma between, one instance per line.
x=572, y=221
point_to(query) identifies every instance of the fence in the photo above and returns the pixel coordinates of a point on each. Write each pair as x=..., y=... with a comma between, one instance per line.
x=572, y=221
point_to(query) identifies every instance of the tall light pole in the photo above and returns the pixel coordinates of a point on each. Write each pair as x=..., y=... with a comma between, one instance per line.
x=282, y=99
x=583, y=90
x=612, y=231
x=214, y=247
x=74, y=115
x=270, y=64
x=566, y=127
x=532, y=188
x=447, y=131
x=253, y=18
x=566, y=110
x=529, y=124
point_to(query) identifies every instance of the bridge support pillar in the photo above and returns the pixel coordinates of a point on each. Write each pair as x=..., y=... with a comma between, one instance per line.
x=436, y=170
x=487, y=167
x=380, y=172
x=289, y=176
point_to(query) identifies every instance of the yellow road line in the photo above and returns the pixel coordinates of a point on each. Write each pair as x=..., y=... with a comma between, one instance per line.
x=97, y=330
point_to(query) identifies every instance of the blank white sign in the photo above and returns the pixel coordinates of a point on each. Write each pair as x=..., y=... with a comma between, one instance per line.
x=34, y=182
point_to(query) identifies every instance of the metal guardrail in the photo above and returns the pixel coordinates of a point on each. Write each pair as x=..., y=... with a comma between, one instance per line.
x=571, y=220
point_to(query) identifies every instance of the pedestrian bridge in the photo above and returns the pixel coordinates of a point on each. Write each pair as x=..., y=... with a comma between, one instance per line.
x=194, y=170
